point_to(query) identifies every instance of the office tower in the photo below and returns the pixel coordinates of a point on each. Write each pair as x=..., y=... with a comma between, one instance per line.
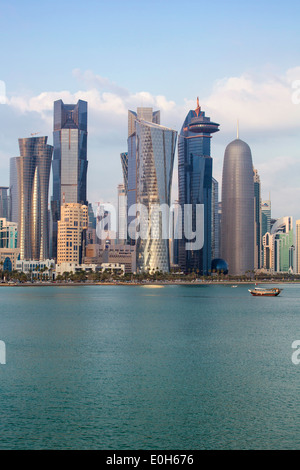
x=131, y=160
x=4, y=202
x=283, y=236
x=237, y=227
x=91, y=236
x=155, y=151
x=122, y=214
x=33, y=167
x=265, y=217
x=175, y=233
x=297, y=246
x=124, y=162
x=195, y=184
x=71, y=233
x=8, y=234
x=215, y=224
x=69, y=164
x=257, y=220
x=13, y=191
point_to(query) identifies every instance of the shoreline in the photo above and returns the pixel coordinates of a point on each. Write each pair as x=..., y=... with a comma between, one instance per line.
x=145, y=284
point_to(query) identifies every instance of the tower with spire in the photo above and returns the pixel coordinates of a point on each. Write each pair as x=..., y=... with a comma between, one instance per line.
x=195, y=184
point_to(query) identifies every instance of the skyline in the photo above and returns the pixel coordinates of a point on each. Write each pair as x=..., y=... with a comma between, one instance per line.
x=247, y=77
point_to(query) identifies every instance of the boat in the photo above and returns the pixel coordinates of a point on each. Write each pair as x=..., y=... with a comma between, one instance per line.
x=261, y=291
x=233, y=286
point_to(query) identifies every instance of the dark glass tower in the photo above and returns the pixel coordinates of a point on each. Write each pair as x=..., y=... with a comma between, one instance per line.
x=33, y=168
x=69, y=164
x=13, y=191
x=4, y=202
x=195, y=184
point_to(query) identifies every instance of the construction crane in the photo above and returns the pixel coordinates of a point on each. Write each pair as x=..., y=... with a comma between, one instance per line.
x=35, y=133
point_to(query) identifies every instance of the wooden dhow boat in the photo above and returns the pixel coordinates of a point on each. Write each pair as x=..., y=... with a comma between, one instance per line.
x=261, y=291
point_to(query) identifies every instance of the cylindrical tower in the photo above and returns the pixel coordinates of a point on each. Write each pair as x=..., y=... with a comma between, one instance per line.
x=237, y=226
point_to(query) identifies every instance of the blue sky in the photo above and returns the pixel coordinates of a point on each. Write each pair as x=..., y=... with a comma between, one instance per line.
x=240, y=58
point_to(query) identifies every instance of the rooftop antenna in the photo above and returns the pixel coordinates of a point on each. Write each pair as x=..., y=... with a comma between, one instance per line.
x=237, y=130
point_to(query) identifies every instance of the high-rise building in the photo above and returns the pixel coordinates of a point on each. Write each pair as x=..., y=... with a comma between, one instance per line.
x=130, y=161
x=33, y=167
x=297, y=246
x=195, y=184
x=4, y=202
x=150, y=170
x=124, y=162
x=237, y=227
x=13, y=191
x=8, y=234
x=257, y=220
x=265, y=217
x=215, y=223
x=71, y=233
x=69, y=166
x=122, y=214
x=278, y=247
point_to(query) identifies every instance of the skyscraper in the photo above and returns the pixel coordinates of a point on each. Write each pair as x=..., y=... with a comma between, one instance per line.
x=129, y=159
x=4, y=202
x=33, y=167
x=195, y=184
x=298, y=246
x=215, y=222
x=69, y=164
x=257, y=217
x=151, y=181
x=71, y=230
x=265, y=217
x=13, y=191
x=237, y=226
x=122, y=215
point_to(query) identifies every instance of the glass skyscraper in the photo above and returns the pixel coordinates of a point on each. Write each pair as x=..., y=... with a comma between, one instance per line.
x=257, y=216
x=69, y=164
x=195, y=184
x=13, y=191
x=237, y=226
x=155, y=146
x=4, y=202
x=33, y=168
x=149, y=182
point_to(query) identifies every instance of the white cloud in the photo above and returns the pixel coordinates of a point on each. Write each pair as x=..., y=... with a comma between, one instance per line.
x=263, y=104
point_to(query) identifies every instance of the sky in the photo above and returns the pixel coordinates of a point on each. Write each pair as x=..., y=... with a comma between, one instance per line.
x=241, y=58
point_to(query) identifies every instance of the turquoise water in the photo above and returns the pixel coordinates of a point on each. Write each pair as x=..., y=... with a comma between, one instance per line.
x=180, y=367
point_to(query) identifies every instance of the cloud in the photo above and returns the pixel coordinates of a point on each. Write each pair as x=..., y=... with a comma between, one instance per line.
x=269, y=122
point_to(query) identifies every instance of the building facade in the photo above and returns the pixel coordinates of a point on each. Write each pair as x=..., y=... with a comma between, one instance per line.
x=8, y=234
x=195, y=185
x=155, y=150
x=215, y=222
x=13, y=191
x=71, y=233
x=297, y=247
x=130, y=158
x=33, y=169
x=69, y=166
x=279, y=247
x=237, y=227
x=257, y=223
x=4, y=202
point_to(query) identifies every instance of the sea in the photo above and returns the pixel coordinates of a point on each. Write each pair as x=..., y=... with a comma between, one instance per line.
x=174, y=367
